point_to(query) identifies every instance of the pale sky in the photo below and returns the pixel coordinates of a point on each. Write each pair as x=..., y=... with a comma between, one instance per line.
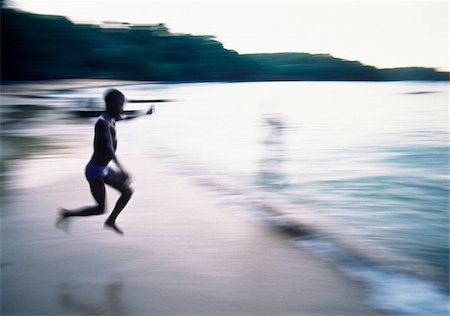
x=378, y=33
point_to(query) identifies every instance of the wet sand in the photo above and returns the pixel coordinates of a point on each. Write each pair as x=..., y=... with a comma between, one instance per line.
x=183, y=253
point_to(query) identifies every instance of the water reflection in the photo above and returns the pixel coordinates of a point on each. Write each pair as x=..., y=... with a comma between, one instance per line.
x=271, y=173
x=74, y=298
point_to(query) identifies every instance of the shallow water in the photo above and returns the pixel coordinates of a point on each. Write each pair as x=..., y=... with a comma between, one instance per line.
x=364, y=165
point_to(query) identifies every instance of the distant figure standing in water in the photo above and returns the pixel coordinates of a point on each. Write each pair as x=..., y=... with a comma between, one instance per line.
x=97, y=171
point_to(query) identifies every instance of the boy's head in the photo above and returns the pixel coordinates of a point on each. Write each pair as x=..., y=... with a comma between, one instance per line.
x=114, y=100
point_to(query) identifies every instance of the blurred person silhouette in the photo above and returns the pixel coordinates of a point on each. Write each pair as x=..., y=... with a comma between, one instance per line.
x=97, y=171
x=271, y=174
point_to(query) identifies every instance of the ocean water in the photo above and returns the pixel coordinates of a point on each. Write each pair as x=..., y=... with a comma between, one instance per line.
x=362, y=168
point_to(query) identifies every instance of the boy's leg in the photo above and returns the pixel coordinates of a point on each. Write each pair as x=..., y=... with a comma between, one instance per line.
x=120, y=183
x=98, y=192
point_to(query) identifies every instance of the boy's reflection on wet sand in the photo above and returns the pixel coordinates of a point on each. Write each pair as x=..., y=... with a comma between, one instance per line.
x=73, y=297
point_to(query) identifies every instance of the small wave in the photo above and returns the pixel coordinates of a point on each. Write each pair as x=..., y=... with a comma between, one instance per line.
x=390, y=291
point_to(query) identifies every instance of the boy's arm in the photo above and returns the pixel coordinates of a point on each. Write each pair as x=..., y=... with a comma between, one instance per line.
x=118, y=164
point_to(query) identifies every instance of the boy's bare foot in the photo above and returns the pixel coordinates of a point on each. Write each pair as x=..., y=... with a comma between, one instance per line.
x=114, y=227
x=61, y=221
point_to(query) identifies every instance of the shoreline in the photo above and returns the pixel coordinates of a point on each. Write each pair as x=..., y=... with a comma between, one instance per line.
x=187, y=255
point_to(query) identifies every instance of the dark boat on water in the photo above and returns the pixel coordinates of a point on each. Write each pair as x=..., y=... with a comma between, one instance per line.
x=97, y=113
x=94, y=108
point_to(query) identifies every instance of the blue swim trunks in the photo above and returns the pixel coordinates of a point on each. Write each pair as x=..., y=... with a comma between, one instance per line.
x=93, y=171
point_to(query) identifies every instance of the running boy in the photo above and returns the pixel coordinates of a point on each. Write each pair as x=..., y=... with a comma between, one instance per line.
x=97, y=172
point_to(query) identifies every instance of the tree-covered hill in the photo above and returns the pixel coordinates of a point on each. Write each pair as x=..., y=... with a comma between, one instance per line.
x=36, y=47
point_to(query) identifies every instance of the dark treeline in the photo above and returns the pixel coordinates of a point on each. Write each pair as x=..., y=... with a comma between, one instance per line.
x=36, y=47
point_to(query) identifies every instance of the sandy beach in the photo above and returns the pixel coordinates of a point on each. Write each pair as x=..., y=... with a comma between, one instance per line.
x=182, y=254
